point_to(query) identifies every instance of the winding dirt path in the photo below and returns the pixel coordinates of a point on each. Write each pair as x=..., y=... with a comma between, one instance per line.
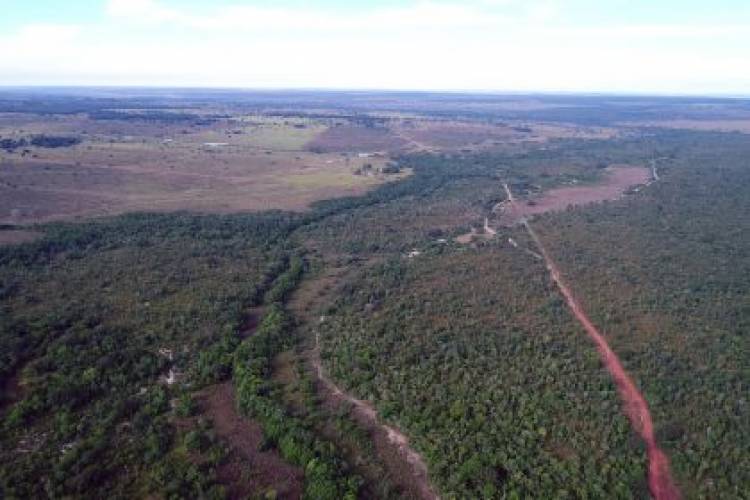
x=654, y=172
x=404, y=466
x=660, y=479
x=487, y=229
x=366, y=412
x=419, y=147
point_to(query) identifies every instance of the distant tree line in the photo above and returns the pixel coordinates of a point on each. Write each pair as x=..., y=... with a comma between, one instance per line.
x=39, y=141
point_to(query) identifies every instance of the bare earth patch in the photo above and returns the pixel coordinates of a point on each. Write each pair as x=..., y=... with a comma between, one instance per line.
x=17, y=236
x=616, y=181
x=248, y=470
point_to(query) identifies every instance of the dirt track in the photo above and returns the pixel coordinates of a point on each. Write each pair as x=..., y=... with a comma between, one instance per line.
x=405, y=468
x=660, y=480
x=369, y=416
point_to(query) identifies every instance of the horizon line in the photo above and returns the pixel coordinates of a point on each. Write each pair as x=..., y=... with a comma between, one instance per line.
x=283, y=89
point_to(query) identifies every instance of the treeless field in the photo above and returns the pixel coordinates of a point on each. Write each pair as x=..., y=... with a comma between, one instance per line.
x=16, y=236
x=354, y=138
x=229, y=164
x=615, y=182
x=457, y=135
x=446, y=135
x=222, y=167
x=707, y=125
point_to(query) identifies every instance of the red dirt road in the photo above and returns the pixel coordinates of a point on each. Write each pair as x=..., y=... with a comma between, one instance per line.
x=660, y=480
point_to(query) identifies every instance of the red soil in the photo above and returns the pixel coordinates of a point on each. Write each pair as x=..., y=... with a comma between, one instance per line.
x=248, y=469
x=615, y=182
x=660, y=480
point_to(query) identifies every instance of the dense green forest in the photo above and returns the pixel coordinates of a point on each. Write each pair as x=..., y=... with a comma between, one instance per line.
x=89, y=314
x=110, y=327
x=474, y=355
x=667, y=275
x=470, y=350
x=435, y=339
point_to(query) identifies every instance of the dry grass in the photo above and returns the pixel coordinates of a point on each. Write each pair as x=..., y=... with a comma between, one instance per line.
x=17, y=236
x=455, y=135
x=704, y=125
x=352, y=138
x=243, y=163
x=131, y=166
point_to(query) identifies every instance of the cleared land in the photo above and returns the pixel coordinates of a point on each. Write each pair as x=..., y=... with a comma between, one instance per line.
x=398, y=134
x=16, y=236
x=448, y=135
x=742, y=126
x=614, y=183
x=228, y=167
x=241, y=162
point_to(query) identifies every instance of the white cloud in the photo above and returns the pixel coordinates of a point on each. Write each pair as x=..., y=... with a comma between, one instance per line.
x=243, y=17
x=485, y=44
x=142, y=10
x=49, y=35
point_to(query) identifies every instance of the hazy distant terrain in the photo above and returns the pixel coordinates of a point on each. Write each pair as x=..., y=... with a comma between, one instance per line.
x=309, y=294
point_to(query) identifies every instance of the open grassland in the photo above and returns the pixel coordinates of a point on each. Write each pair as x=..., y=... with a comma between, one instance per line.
x=214, y=168
x=400, y=134
x=734, y=125
x=17, y=236
x=453, y=135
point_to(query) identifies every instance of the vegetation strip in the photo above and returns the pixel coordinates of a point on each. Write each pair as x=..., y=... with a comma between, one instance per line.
x=660, y=480
x=326, y=475
x=370, y=415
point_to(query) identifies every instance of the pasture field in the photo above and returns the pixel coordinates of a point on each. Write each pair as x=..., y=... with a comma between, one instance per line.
x=735, y=125
x=231, y=167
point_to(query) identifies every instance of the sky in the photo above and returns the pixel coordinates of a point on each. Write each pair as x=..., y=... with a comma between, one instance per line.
x=616, y=46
